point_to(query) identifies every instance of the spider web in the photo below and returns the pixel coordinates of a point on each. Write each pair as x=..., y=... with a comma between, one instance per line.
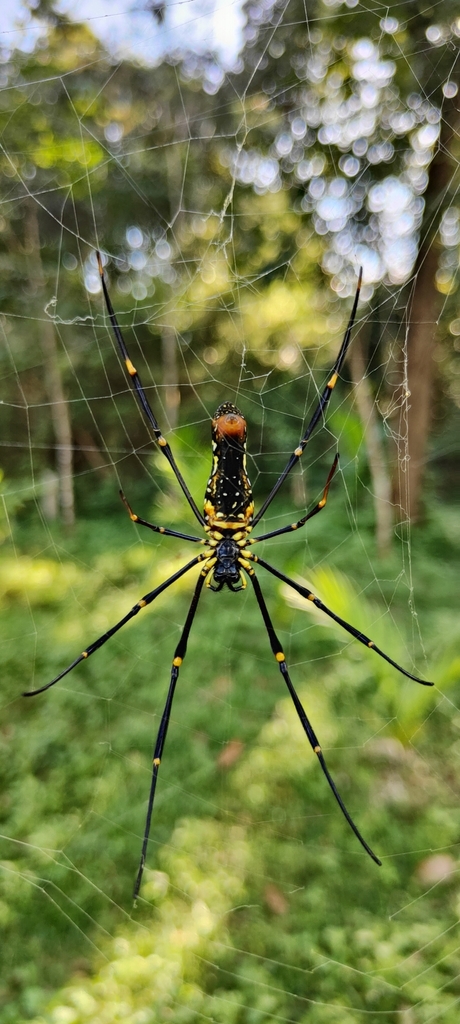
x=227, y=856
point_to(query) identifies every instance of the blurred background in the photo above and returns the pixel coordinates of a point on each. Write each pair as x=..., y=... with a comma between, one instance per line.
x=235, y=164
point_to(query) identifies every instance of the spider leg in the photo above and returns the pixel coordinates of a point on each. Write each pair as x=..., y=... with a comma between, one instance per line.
x=142, y=398
x=158, y=529
x=320, y=408
x=301, y=522
x=144, y=601
x=179, y=655
x=363, y=639
x=306, y=725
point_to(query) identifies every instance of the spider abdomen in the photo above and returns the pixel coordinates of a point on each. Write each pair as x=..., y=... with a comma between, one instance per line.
x=228, y=495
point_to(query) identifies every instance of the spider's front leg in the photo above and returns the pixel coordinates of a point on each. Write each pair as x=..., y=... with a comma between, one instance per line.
x=356, y=633
x=304, y=720
x=101, y=640
x=179, y=655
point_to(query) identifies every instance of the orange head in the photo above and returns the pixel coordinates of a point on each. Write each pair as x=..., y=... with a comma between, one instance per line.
x=229, y=423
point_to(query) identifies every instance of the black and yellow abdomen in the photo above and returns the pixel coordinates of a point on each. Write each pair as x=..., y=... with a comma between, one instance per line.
x=228, y=497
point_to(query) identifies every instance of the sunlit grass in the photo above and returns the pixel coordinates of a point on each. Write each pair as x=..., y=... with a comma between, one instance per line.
x=237, y=769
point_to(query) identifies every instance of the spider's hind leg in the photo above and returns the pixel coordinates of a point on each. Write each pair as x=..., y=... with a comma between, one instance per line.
x=142, y=397
x=301, y=522
x=157, y=529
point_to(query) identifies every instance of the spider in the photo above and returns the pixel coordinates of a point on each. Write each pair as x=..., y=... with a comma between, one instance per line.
x=228, y=520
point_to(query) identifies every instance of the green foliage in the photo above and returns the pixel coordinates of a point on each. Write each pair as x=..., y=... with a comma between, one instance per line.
x=258, y=903
x=257, y=899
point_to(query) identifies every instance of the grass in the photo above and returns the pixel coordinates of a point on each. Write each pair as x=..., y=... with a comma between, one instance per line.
x=263, y=905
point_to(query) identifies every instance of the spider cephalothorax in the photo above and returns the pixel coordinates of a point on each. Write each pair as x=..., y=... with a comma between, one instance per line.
x=228, y=521
x=226, y=570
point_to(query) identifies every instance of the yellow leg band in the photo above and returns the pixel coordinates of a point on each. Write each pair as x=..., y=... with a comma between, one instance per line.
x=280, y=656
x=177, y=662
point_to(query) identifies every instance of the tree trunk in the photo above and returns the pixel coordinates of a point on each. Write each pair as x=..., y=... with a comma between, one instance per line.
x=381, y=481
x=53, y=379
x=422, y=318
